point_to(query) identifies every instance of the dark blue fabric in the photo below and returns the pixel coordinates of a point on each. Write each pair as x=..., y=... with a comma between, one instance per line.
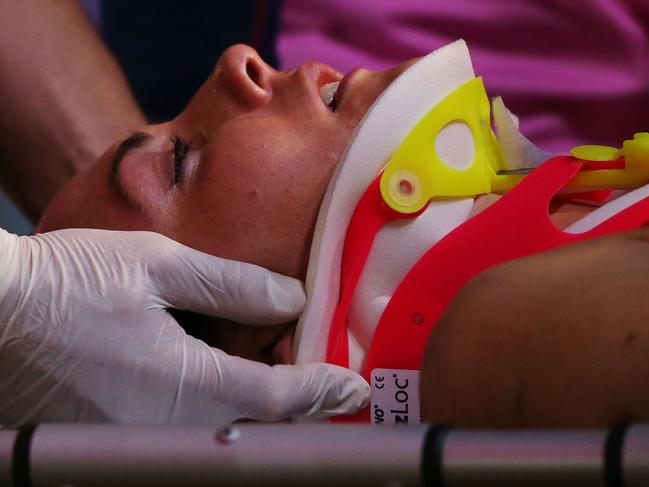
x=168, y=47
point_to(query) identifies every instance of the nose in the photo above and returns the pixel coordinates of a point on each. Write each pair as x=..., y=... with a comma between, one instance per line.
x=246, y=75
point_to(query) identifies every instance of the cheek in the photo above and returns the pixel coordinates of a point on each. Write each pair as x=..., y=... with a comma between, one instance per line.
x=285, y=178
x=259, y=203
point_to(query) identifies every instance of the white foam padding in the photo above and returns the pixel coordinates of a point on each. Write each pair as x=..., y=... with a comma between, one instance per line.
x=608, y=210
x=516, y=149
x=399, y=244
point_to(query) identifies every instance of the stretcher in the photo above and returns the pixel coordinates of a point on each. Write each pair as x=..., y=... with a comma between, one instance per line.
x=317, y=454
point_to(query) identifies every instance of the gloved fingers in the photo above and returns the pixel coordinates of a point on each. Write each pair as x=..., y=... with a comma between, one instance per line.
x=241, y=292
x=283, y=391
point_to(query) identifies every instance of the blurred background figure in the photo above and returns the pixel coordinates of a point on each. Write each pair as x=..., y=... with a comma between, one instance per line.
x=12, y=219
x=167, y=48
x=574, y=72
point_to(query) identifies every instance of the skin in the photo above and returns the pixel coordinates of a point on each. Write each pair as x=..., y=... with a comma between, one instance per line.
x=498, y=358
x=242, y=175
x=262, y=148
x=56, y=116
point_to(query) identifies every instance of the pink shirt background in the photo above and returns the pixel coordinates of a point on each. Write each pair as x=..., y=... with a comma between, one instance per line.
x=574, y=71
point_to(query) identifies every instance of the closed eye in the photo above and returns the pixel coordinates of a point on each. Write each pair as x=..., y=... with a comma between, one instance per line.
x=180, y=151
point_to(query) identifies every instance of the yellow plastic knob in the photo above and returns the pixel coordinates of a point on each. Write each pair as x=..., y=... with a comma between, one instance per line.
x=596, y=153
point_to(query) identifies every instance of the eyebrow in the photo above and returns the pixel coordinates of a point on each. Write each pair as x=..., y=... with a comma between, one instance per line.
x=134, y=141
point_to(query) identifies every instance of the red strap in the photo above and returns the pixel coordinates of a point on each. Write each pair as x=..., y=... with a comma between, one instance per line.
x=515, y=226
x=370, y=214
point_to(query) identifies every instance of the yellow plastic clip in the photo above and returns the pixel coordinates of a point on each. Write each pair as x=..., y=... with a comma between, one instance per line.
x=634, y=173
x=595, y=153
x=416, y=172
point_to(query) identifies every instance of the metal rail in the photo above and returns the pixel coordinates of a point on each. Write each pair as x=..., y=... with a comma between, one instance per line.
x=316, y=455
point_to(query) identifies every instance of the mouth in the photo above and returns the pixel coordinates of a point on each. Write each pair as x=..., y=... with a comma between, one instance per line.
x=328, y=95
x=332, y=94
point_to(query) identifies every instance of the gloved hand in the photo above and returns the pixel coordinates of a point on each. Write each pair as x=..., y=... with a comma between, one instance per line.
x=85, y=335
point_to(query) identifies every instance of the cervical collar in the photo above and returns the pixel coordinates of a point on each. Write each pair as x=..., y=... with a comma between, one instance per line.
x=398, y=275
x=399, y=272
x=384, y=126
x=398, y=245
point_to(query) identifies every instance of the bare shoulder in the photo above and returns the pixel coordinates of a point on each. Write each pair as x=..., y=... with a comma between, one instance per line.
x=556, y=339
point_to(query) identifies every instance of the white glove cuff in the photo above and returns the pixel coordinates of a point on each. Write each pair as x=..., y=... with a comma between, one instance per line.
x=10, y=262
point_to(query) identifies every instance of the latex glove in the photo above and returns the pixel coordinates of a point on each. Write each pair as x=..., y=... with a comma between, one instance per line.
x=85, y=335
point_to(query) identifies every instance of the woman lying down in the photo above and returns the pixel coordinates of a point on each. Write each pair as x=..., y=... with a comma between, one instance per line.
x=268, y=167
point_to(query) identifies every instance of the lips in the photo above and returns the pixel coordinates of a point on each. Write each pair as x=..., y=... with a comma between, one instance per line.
x=332, y=93
x=344, y=87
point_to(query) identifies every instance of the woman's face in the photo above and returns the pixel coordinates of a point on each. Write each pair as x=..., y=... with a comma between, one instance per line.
x=240, y=173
